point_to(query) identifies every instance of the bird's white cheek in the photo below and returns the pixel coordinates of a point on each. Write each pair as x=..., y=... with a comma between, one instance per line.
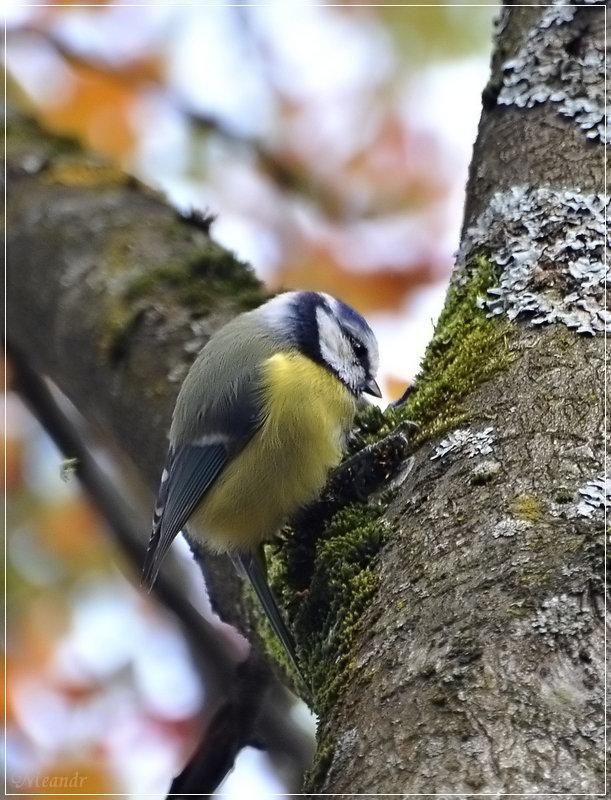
x=333, y=346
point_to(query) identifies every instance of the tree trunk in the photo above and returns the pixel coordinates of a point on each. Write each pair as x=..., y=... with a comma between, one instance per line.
x=479, y=666
x=452, y=624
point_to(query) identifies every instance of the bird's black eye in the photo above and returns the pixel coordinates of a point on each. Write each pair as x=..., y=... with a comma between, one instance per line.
x=359, y=348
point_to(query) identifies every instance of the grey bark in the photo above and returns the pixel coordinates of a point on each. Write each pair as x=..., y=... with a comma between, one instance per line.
x=486, y=640
x=479, y=665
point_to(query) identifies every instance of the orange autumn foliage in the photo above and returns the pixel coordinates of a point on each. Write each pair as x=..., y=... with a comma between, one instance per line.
x=394, y=387
x=71, y=528
x=98, y=107
x=381, y=289
x=11, y=468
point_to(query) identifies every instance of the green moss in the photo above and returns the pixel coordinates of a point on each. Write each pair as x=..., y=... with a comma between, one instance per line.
x=527, y=507
x=84, y=171
x=467, y=349
x=342, y=581
x=22, y=130
x=199, y=282
x=119, y=322
x=371, y=425
x=324, y=756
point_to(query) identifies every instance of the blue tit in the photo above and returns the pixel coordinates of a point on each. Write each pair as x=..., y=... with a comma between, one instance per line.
x=260, y=419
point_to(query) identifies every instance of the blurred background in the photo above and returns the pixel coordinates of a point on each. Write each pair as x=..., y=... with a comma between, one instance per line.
x=333, y=143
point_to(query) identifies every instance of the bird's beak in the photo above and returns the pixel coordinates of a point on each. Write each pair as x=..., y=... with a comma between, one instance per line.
x=371, y=387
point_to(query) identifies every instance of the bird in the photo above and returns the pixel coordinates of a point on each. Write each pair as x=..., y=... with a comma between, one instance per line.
x=260, y=420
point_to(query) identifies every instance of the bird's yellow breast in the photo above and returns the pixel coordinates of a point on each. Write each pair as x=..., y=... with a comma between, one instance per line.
x=307, y=413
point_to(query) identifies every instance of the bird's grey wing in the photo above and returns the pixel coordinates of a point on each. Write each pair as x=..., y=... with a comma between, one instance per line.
x=192, y=467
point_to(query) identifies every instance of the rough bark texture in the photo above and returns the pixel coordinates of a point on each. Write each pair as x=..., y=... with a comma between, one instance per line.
x=480, y=664
x=536, y=143
x=110, y=293
x=469, y=653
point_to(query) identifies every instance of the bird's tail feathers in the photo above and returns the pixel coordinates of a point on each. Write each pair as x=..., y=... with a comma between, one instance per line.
x=253, y=564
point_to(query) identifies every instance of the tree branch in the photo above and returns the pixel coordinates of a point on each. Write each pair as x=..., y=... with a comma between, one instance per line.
x=114, y=345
